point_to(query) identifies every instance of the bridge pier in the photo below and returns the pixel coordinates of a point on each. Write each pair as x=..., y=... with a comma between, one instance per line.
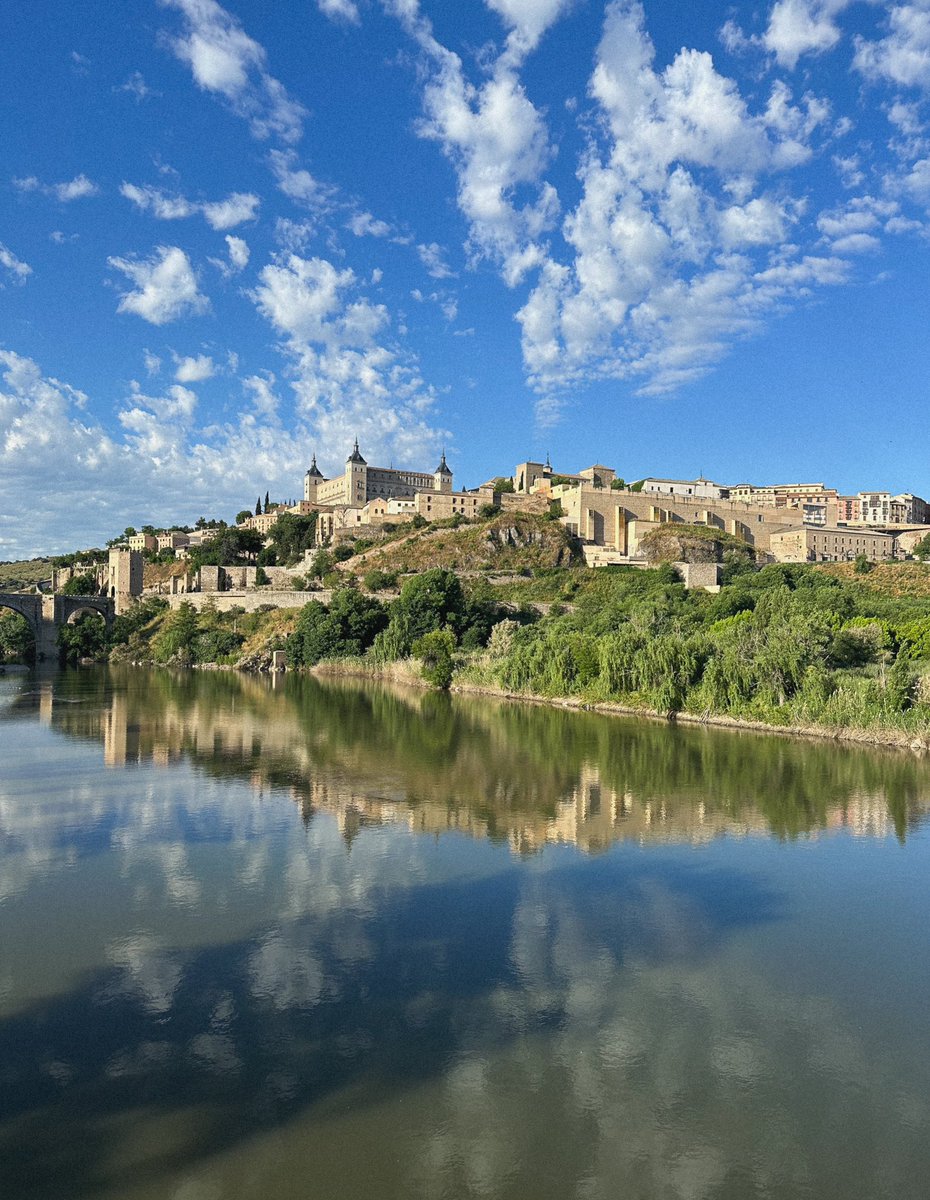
x=46, y=630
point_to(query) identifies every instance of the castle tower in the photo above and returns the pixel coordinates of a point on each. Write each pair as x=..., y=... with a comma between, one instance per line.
x=356, y=478
x=442, y=476
x=124, y=578
x=313, y=478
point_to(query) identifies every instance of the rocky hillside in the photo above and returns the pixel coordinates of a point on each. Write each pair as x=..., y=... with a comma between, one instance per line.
x=509, y=542
x=675, y=542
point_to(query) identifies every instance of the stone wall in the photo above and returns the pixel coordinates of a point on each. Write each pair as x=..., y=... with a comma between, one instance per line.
x=251, y=600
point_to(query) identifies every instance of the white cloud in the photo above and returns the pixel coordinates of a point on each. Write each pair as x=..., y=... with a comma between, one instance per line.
x=799, y=27
x=678, y=242
x=498, y=144
x=236, y=208
x=431, y=256
x=15, y=267
x=152, y=362
x=528, y=20
x=903, y=56
x=88, y=483
x=225, y=60
x=297, y=183
x=194, y=370
x=238, y=252
x=346, y=376
x=160, y=204
x=363, y=224
x=165, y=286
x=77, y=188
x=220, y=214
x=340, y=10
x=136, y=86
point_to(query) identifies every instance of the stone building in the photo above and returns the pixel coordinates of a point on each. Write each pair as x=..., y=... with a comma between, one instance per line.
x=124, y=577
x=838, y=543
x=360, y=483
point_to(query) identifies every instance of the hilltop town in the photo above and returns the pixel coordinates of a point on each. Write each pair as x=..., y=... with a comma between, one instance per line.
x=611, y=519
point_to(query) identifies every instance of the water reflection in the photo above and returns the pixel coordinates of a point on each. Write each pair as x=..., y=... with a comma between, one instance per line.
x=374, y=755
x=234, y=965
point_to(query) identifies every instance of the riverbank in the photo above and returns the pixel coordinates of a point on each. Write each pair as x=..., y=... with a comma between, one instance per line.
x=407, y=672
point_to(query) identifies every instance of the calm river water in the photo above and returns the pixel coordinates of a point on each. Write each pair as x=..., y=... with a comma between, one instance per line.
x=288, y=939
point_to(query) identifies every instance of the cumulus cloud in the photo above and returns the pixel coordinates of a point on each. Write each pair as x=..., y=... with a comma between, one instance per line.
x=679, y=242
x=194, y=369
x=497, y=142
x=363, y=224
x=431, y=256
x=348, y=376
x=340, y=10
x=77, y=188
x=165, y=206
x=528, y=20
x=86, y=481
x=903, y=56
x=165, y=286
x=16, y=270
x=297, y=183
x=238, y=252
x=226, y=61
x=799, y=27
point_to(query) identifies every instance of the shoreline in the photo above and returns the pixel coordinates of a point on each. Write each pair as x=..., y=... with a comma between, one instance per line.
x=401, y=672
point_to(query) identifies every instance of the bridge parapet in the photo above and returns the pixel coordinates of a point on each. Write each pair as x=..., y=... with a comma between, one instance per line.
x=46, y=614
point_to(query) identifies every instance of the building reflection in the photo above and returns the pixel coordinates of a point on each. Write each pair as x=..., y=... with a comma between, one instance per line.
x=526, y=777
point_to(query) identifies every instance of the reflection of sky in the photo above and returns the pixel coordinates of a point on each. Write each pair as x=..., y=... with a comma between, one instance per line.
x=194, y=977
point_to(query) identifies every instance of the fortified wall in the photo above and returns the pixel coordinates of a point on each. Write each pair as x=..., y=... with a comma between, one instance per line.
x=619, y=519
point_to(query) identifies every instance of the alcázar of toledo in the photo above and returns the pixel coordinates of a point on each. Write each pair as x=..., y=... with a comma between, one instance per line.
x=788, y=523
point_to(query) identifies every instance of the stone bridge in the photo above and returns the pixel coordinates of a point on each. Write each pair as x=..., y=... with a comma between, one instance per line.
x=46, y=614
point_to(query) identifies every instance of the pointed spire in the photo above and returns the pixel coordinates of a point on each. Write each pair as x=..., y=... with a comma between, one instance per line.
x=548, y=463
x=355, y=456
x=315, y=471
x=443, y=468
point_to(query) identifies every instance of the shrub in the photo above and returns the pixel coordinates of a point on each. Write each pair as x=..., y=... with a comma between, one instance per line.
x=435, y=651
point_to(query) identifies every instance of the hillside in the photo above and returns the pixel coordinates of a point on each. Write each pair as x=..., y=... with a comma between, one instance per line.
x=674, y=542
x=508, y=542
x=899, y=580
x=16, y=576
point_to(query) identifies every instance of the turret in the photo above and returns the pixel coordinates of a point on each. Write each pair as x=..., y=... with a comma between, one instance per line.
x=442, y=476
x=356, y=478
x=313, y=478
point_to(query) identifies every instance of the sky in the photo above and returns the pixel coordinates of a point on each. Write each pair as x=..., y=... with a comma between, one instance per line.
x=673, y=238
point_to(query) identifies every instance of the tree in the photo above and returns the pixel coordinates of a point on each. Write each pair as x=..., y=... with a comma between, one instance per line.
x=16, y=641
x=503, y=484
x=258, y=506
x=267, y=503
x=922, y=549
x=82, y=585
x=435, y=652
x=243, y=515
x=261, y=577
x=291, y=535
x=85, y=637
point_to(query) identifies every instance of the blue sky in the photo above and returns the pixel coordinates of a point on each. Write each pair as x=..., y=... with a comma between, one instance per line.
x=671, y=237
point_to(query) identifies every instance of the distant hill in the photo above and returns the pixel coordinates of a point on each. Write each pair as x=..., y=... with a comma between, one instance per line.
x=17, y=576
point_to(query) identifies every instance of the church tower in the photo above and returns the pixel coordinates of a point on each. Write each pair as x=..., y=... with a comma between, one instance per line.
x=442, y=476
x=356, y=478
x=312, y=480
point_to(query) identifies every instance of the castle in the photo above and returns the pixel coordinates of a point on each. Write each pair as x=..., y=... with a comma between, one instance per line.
x=360, y=483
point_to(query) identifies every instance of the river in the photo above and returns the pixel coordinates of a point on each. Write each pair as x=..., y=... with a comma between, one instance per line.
x=287, y=938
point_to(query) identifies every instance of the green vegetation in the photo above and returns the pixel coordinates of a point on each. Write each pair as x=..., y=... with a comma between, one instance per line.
x=82, y=585
x=16, y=641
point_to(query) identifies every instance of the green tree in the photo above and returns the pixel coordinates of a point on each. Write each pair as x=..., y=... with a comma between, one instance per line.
x=435, y=651
x=258, y=506
x=84, y=637
x=16, y=641
x=82, y=585
x=243, y=515
x=261, y=577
